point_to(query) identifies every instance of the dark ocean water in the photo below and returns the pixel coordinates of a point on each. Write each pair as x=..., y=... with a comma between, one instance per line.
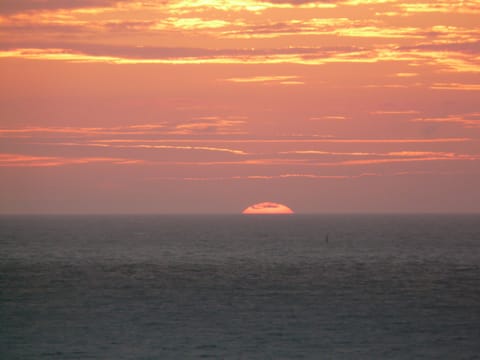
x=240, y=287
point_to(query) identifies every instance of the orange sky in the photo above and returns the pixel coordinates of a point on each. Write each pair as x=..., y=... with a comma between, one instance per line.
x=209, y=106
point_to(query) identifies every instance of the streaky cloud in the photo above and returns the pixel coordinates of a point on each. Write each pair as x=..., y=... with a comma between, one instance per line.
x=20, y=160
x=456, y=86
x=11, y=7
x=161, y=52
x=467, y=47
x=471, y=120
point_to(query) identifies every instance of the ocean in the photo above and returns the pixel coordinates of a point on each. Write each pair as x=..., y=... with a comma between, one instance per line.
x=240, y=287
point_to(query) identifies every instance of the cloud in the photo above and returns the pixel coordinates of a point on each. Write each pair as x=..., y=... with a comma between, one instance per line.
x=424, y=153
x=171, y=6
x=196, y=17
x=87, y=131
x=394, y=112
x=300, y=140
x=212, y=125
x=20, y=160
x=394, y=154
x=100, y=53
x=324, y=152
x=256, y=6
x=299, y=176
x=441, y=6
x=455, y=86
x=334, y=26
x=329, y=117
x=14, y=6
x=275, y=79
x=406, y=74
x=302, y=2
x=162, y=147
x=453, y=55
x=471, y=120
x=171, y=55
x=467, y=47
x=401, y=160
x=389, y=86
x=385, y=141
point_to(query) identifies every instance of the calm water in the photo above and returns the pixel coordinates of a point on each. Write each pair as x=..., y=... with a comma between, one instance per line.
x=240, y=287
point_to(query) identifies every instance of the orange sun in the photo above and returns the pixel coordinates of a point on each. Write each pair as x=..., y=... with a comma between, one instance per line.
x=268, y=208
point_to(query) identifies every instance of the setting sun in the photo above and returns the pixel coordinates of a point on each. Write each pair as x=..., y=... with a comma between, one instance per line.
x=268, y=208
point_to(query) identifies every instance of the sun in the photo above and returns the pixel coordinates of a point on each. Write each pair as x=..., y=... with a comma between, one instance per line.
x=268, y=208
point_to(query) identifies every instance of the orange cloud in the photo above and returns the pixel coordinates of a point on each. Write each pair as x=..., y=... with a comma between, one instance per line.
x=471, y=120
x=424, y=153
x=193, y=56
x=321, y=152
x=279, y=79
x=210, y=124
x=177, y=147
x=26, y=160
x=444, y=60
x=406, y=74
x=19, y=160
x=442, y=6
x=456, y=86
x=301, y=176
x=141, y=145
x=200, y=125
x=302, y=140
x=118, y=130
x=314, y=163
x=255, y=6
x=404, y=160
x=328, y=117
x=394, y=112
x=259, y=177
x=402, y=154
x=13, y=7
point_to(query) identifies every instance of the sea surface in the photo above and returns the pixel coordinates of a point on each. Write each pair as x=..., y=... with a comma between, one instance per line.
x=240, y=287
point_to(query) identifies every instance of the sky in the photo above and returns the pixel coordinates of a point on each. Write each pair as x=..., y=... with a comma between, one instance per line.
x=210, y=106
